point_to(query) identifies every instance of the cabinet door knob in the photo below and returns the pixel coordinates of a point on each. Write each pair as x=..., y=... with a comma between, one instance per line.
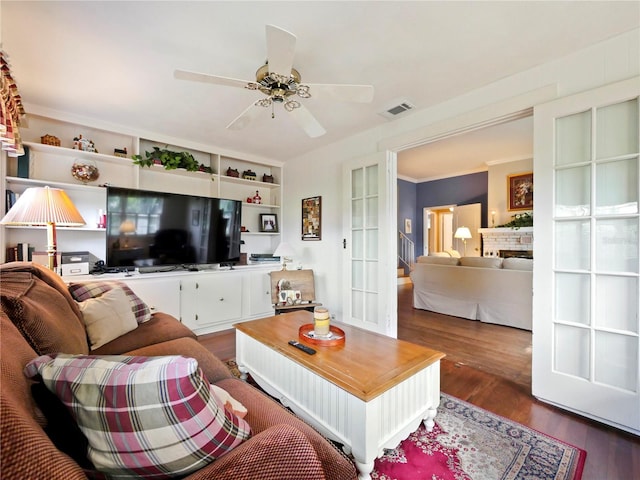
x=222, y=299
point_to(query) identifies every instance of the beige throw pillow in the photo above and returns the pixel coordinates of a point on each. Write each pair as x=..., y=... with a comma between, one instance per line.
x=483, y=262
x=439, y=260
x=515, y=263
x=107, y=317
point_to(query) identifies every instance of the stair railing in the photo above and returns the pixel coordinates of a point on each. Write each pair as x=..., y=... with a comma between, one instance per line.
x=406, y=251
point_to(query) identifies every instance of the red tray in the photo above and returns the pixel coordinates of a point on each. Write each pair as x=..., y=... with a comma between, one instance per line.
x=336, y=338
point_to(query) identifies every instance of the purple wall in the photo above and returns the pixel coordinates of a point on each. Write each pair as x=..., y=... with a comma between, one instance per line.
x=407, y=209
x=462, y=190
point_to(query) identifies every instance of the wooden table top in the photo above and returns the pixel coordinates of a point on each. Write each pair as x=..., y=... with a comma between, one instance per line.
x=367, y=365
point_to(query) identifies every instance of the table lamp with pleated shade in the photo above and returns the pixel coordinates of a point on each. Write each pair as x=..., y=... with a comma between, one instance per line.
x=45, y=206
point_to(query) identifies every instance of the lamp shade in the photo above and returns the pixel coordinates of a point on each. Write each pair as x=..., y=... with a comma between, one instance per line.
x=127, y=227
x=462, y=232
x=41, y=206
x=284, y=250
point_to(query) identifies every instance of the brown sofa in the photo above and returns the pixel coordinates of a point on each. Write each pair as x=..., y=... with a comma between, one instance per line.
x=40, y=317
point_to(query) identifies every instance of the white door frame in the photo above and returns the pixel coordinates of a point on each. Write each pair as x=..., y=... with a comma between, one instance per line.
x=494, y=114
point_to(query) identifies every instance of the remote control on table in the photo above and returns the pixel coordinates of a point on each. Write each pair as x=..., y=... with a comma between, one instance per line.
x=302, y=347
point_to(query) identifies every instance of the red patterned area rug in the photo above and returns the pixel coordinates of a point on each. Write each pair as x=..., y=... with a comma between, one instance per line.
x=469, y=443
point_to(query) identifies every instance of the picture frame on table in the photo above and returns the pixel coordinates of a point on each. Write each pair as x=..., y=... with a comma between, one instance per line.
x=268, y=222
x=520, y=191
x=312, y=218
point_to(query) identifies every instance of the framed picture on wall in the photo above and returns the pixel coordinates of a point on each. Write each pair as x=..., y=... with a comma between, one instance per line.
x=520, y=191
x=268, y=222
x=407, y=225
x=311, y=218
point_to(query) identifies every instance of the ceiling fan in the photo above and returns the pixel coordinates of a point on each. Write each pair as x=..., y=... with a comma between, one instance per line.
x=281, y=83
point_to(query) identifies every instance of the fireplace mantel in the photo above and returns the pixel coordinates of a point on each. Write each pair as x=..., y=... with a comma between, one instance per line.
x=506, y=230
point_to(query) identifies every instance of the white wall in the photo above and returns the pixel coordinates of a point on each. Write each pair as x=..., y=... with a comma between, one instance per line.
x=319, y=172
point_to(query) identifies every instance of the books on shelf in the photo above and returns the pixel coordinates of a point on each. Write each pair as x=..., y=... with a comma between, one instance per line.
x=263, y=257
x=22, y=252
x=11, y=198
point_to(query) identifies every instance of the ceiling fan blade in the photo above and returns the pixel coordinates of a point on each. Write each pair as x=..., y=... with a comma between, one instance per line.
x=281, y=47
x=345, y=93
x=246, y=117
x=216, y=80
x=308, y=122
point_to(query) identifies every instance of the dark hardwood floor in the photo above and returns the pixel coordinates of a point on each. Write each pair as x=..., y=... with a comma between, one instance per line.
x=490, y=366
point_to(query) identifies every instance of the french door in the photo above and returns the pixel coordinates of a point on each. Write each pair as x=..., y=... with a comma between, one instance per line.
x=370, y=251
x=586, y=348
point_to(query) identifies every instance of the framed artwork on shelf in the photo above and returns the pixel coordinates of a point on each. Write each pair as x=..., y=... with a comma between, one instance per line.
x=268, y=222
x=311, y=218
x=520, y=191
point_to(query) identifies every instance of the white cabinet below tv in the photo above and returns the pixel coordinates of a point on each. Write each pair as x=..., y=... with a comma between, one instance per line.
x=208, y=302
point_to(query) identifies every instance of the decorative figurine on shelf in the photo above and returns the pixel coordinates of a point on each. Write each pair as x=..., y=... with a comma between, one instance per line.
x=267, y=178
x=233, y=172
x=257, y=198
x=249, y=175
x=50, y=140
x=83, y=144
x=120, y=152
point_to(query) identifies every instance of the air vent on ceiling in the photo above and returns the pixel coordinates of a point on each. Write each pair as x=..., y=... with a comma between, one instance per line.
x=397, y=108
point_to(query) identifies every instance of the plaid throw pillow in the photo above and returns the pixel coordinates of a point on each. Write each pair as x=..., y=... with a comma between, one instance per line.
x=148, y=417
x=84, y=291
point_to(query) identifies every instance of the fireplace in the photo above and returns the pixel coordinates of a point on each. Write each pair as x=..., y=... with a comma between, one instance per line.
x=515, y=253
x=500, y=241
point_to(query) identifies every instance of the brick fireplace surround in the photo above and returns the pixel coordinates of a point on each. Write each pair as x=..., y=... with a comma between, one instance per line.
x=495, y=240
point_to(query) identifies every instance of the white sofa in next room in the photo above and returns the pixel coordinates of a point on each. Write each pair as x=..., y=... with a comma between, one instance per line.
x=489, y=289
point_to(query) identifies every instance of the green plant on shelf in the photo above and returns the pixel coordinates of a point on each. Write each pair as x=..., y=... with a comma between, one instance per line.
x=170, y=160
x=519, y=220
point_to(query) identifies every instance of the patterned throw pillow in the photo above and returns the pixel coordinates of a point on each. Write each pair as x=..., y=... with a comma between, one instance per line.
x=84, y=291
x=147, y=417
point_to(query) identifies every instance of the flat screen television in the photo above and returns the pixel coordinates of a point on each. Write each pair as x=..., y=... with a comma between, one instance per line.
x=150, y=229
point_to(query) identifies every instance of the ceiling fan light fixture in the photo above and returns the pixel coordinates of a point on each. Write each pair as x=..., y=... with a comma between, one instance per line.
x=280, y=83
x=263, y=102
x=264, y=76
x=303, y=91
x=291, y=105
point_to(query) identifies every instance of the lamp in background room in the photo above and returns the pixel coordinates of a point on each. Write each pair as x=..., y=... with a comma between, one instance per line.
x=45, y=206
x=463, y=233
x=285, y=252
x=127, y=228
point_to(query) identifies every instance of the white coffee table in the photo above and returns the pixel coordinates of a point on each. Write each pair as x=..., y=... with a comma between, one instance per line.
x=368, y=394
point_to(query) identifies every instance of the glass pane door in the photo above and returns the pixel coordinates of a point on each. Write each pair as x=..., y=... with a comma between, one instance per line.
x=370, y=298
x=587, y=290
x=364, y=246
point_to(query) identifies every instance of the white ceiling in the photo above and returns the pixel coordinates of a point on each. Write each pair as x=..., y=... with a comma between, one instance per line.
x=114, y=61
x=468, y=152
